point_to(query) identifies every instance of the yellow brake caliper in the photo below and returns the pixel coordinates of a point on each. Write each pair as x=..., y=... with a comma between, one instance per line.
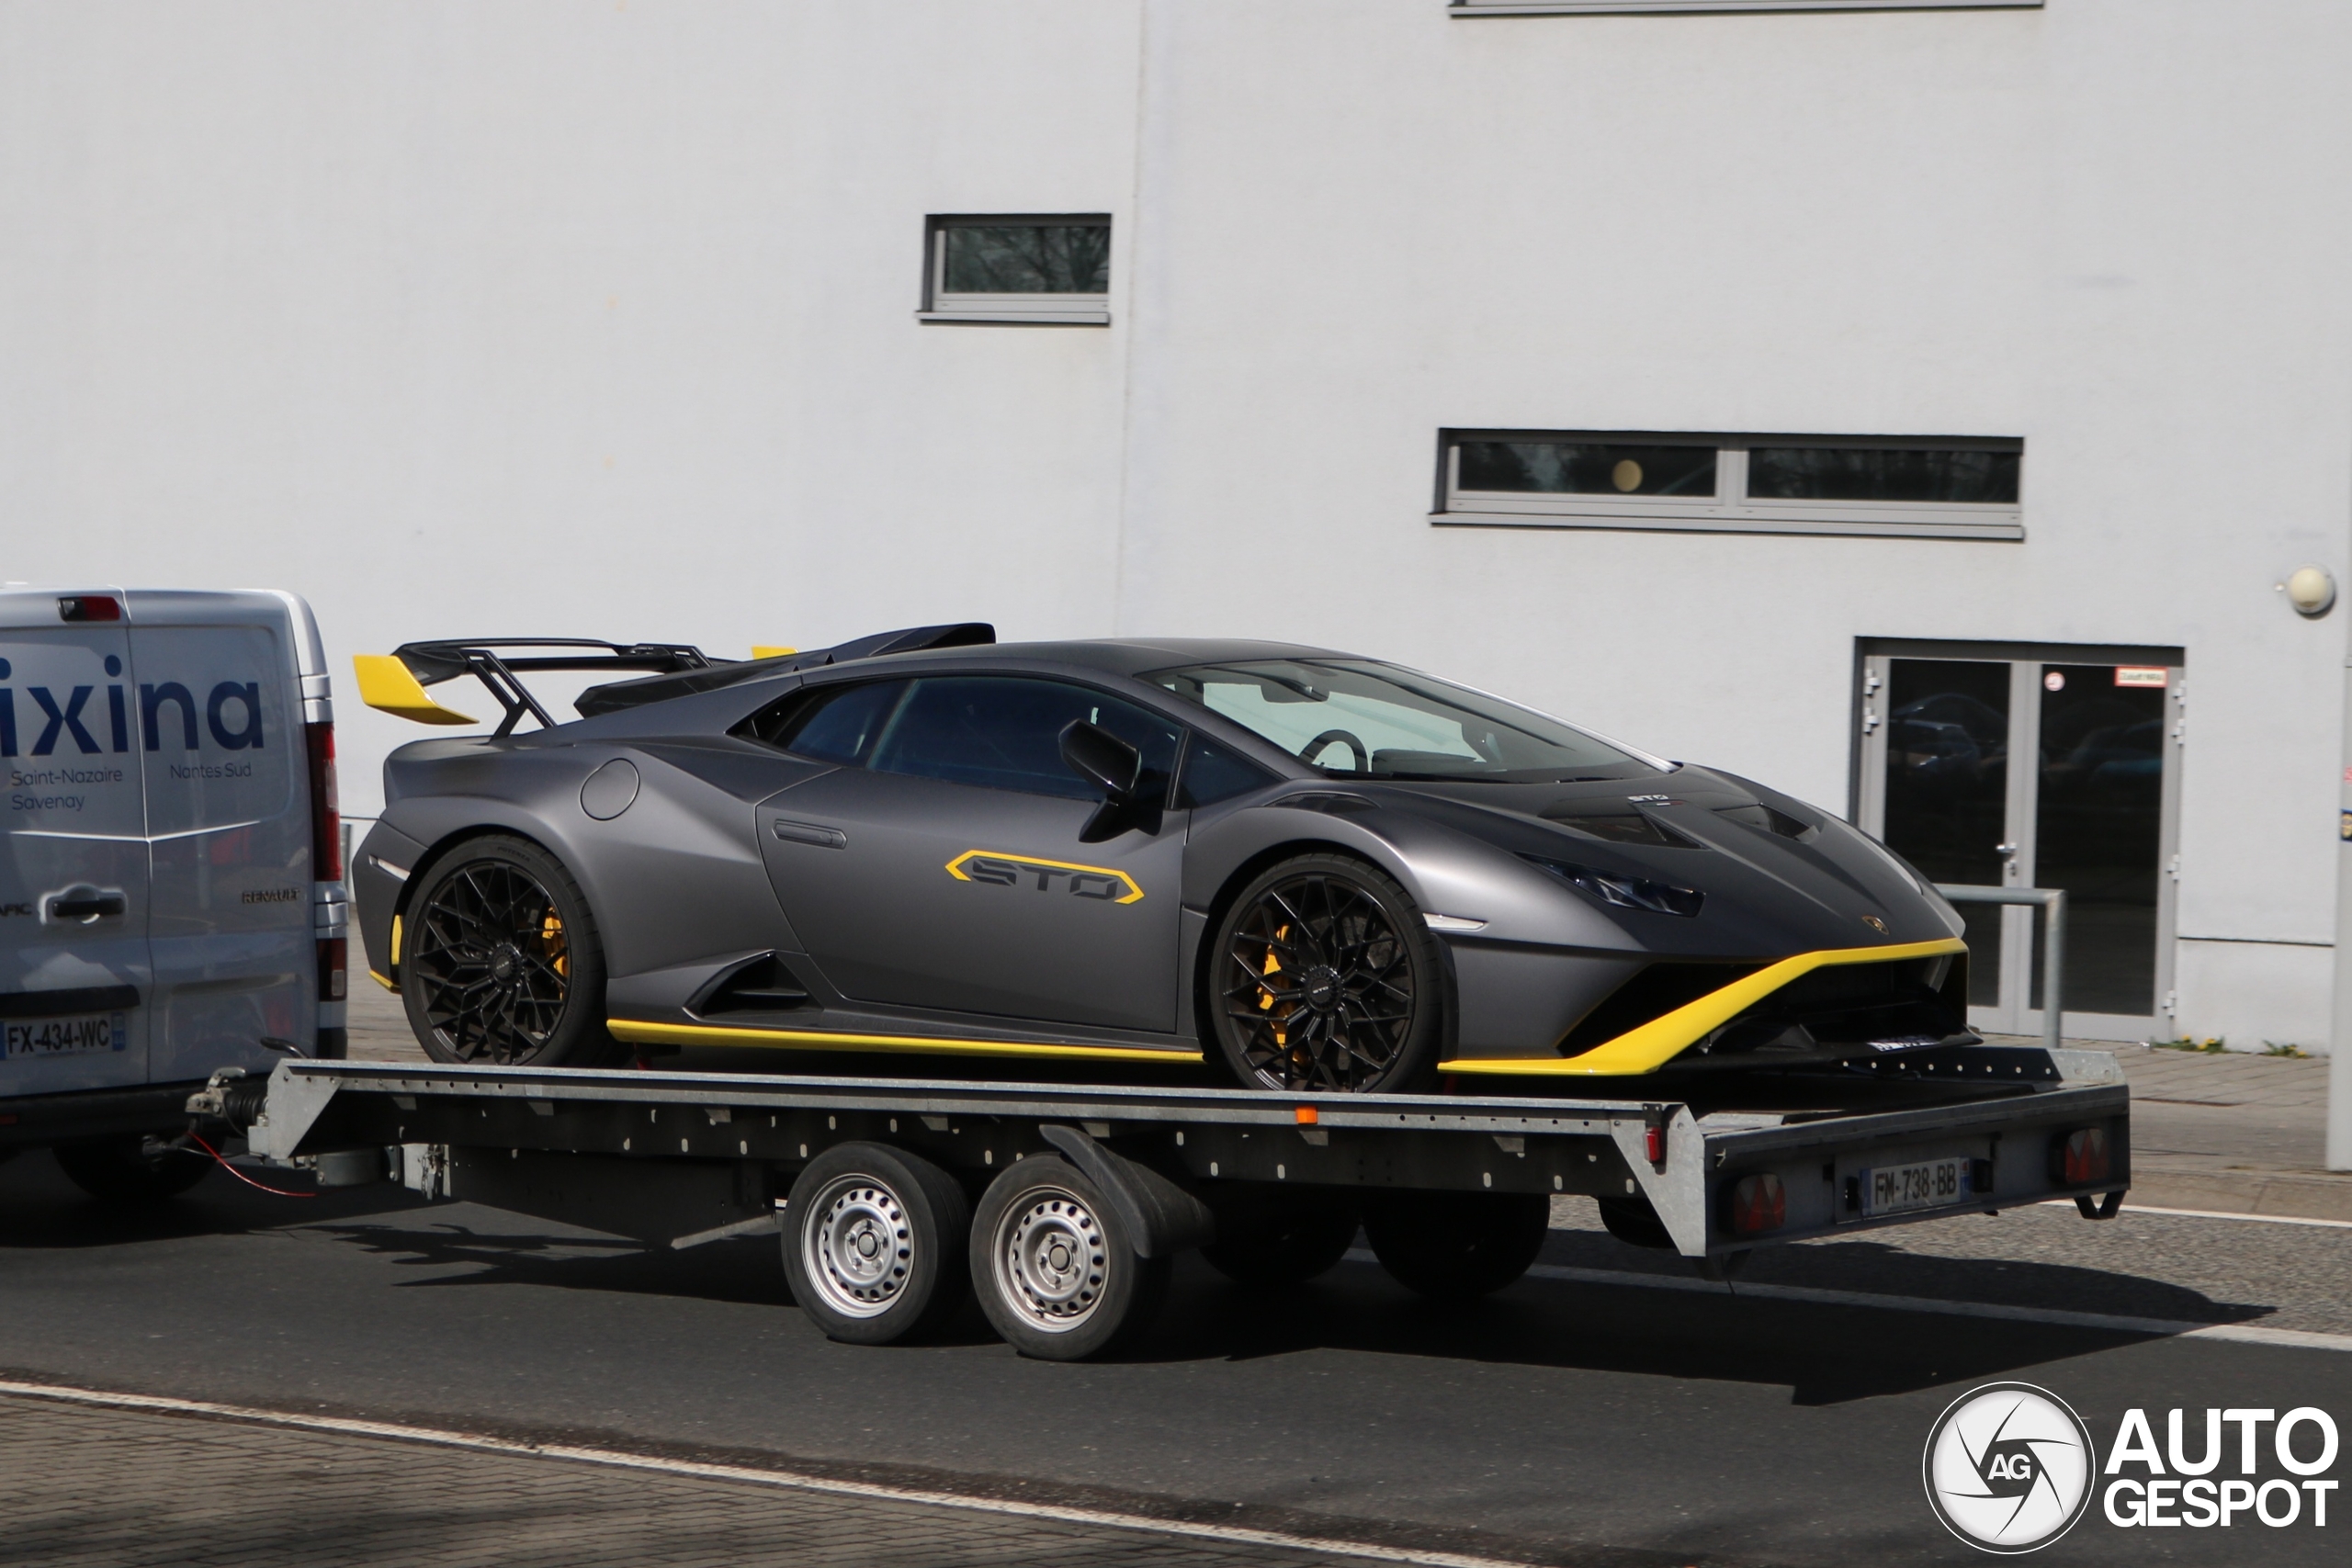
x=552, y=938
x=1274, y=967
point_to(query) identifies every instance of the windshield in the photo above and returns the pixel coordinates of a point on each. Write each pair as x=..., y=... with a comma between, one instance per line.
x=1356, y=718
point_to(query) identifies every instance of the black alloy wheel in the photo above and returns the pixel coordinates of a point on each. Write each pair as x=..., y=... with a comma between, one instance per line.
x=1325, y=981
x=501, y=964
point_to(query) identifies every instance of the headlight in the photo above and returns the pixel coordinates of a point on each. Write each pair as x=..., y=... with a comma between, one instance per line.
x=1624, y=892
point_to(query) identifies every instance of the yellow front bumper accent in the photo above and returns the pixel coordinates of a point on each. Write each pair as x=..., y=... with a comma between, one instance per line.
x=1659, y=1042
x=634, y=1032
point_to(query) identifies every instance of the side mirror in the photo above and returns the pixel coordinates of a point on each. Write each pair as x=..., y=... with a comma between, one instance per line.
x=1101, y=759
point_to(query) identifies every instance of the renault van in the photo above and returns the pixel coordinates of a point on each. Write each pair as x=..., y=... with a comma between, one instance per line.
x=171, y=891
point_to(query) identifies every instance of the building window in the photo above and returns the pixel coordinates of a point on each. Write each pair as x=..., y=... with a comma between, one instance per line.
x=1932, y=487
x=1051, y=270
x=1622, y=7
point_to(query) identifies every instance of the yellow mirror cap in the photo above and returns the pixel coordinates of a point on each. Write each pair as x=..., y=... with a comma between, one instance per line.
x=767, y=651
x=388, y=685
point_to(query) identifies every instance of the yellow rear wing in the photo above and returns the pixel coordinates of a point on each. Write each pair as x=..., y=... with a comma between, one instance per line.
x=386, y=685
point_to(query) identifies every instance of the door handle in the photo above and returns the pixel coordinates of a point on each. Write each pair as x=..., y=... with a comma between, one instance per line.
x=87, y=904
x=815, y=833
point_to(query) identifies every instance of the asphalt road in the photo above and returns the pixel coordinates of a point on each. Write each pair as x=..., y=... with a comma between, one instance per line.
x=1560, y=1422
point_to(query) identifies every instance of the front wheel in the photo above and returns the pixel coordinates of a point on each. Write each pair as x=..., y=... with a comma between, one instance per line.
x=1275, y=1243
x=1324, y=978
x=502, y=966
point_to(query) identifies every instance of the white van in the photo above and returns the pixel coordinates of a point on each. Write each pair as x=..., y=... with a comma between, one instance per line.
x=171, y=895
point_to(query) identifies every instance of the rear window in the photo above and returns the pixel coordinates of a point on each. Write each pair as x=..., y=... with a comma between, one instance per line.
x=212, y=714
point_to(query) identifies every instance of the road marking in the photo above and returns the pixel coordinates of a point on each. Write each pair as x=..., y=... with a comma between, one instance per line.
x=619, y=1458
x=2130, y=1208
x=2240, y=1333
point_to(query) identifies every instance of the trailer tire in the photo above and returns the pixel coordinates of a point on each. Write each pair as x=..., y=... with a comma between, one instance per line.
x=1278, y=1242
x=121, y=1170
x=1056, y=1271
x=1635, y=1221
x=874, y=1242
x=1457, y=1245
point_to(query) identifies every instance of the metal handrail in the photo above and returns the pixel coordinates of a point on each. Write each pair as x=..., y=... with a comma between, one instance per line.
x=2052, y=903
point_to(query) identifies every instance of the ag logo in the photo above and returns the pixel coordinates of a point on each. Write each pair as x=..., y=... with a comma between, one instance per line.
x=1875, y=924
x=2009, y=1468
x=1045, y=875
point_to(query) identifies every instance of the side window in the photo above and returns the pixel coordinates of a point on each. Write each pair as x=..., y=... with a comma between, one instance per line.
x=1213, y=774
x=1004, y=732
x=828, y=724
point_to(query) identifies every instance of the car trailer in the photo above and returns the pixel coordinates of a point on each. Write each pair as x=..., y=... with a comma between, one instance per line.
x=1062, y=1205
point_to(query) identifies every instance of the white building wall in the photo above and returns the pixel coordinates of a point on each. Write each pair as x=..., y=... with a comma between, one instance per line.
x=564, y=316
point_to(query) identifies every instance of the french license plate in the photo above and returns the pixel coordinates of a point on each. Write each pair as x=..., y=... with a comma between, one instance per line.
x=1898, y=1189
x=67, y=1036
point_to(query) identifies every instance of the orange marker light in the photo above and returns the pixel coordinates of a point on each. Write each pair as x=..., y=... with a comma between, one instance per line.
x=1308, y=1116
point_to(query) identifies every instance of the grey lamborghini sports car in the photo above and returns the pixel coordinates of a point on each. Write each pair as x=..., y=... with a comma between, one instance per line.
x=1316, y=871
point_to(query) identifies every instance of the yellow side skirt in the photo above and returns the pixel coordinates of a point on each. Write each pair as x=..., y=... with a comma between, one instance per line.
x=635, y=1031
x=1651, y=1046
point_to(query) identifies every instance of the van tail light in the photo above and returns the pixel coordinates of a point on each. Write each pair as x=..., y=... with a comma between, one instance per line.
x=334, y=968
x=89, y=607
x=326, y=811
x=2080, y=1158
x=1759, y=1203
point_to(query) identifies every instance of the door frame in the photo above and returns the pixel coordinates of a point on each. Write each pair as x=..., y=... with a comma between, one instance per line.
x=1866, y=795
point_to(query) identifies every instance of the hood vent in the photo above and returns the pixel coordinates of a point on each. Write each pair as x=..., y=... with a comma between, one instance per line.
x=1768, y=820
x=1617, y=822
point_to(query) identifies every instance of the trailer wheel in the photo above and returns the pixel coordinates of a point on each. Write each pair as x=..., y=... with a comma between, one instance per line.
x=1057, y=1273
x=874, y=1244
x=1457, y=1245
x=1272, y=1244
x=124, y=1170
x=1635, y=1221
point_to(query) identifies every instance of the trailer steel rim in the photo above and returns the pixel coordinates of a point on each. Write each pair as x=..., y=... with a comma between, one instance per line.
x=857, y=1246
x=1318, y=986
x=494, y=960
x=1050, y=1260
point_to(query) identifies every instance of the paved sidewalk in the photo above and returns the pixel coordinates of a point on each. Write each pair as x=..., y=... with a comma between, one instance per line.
x=92, y=1487
x=2234, y=1133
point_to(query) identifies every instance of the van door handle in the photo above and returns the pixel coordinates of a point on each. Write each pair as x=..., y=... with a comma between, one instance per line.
x=87, y=904
x=815, y=833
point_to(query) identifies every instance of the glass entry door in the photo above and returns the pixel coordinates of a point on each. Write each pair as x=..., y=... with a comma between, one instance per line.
x=1993, y=769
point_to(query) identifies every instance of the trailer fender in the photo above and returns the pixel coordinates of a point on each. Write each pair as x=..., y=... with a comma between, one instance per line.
x=1162, y=1217
x=1676, y=1186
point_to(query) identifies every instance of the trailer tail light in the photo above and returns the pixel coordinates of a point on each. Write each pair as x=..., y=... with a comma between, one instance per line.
x=326, y=811
x=1759, y=1203
x=89, y=607
x=1654, y=1145
x=334, y=968
x=2079, y=1159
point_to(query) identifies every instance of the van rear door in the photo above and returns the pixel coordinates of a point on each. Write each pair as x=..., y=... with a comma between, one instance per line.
x=219, y=716
x=76, y=979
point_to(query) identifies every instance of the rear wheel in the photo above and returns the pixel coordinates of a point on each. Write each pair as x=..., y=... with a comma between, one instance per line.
x=131, y=1170
x=1273, y=1243
x=874, y=1244
x=502, y=966
x=1457, y=1245
x=1324, y=978
x=1055, y=1271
